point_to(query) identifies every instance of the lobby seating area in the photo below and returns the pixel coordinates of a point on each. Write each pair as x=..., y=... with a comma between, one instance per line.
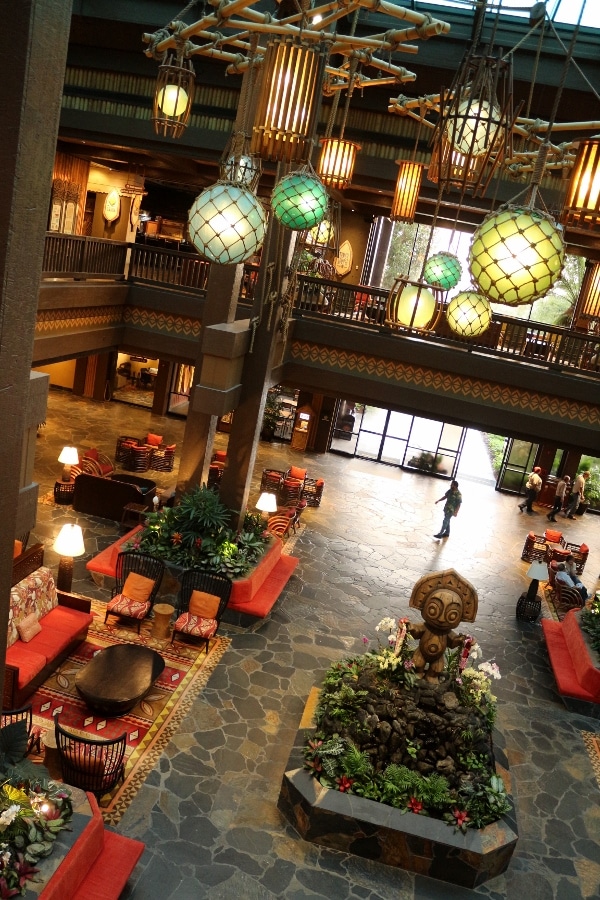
x=552, y=545
x=137, y=454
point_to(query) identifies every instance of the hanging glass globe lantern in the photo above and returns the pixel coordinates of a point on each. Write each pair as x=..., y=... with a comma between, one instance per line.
x=299, y=200
x=443, y=270
x=411, y=305
x=516, y=255
x=227, y=223
x=469, y=314
x=474, y=126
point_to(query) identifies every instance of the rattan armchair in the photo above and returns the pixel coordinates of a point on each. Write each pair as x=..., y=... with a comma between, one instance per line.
x=132, y=563
x=201, y=602
x=93, y=765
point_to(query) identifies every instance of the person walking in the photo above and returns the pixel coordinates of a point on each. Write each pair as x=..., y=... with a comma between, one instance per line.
x=577, y=494
x=533, y=486
x=559, y=497
x=453, y=498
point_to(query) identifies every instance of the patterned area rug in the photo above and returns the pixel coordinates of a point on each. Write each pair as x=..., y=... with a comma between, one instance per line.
x=151, y=724
x=592, y=745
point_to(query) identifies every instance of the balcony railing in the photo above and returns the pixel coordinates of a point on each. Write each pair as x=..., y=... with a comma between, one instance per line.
x=549, y=346
x=75, y=256
x=80, y=257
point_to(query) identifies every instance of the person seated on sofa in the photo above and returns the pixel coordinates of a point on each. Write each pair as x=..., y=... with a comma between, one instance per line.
x=564, y=577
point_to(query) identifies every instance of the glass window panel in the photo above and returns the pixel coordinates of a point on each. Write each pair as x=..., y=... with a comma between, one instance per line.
x=344, y=442
x=451, y=436
x=374, y=419
x=393, y=450
x=399, y=425
x=368, y=445
x=522, y=453
x=445, y=463
x=425, y=434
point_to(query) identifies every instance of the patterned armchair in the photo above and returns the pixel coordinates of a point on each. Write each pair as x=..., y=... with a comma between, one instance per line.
x=137, y=581
x=201, y=602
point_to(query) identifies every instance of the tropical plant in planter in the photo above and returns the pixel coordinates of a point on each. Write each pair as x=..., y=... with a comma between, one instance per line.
x=196, y=532
x=271, y=415
x=424, y=748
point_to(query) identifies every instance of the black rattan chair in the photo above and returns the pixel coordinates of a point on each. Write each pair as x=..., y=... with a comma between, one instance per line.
x=92, y=765
x=131, y=562
x=189, y=621
x=24, y=714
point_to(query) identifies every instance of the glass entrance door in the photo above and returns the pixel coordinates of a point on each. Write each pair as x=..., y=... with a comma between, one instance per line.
x=517, y=463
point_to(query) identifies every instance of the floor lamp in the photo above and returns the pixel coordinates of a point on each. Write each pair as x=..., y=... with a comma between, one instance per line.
x=68, y=544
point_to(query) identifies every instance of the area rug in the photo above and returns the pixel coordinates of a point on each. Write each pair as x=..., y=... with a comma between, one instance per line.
x=552, y=608
x=592, y=745
x=152, y=723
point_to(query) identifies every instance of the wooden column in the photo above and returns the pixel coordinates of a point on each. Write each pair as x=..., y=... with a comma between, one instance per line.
x=34, y=58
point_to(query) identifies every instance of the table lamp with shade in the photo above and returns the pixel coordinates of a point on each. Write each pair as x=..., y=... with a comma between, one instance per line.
x=68, y=544
x=68, y=457
x=529, y=604
x=267, y=503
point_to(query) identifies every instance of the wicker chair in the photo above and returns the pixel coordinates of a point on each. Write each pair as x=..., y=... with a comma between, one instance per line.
x=123, y=449
x=313, y=491
x=25, y=715
x=271, y=481
x=163, y=458
x=92, y=765
x=132, y=563
x=201, y=602
x=280, y=525
x=139, y=459
x=563, y=595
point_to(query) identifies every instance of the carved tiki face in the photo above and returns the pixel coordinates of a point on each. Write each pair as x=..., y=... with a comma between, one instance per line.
x=443, y=610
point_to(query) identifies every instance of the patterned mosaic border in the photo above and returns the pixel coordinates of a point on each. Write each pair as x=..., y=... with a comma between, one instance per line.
x=592, y=745
x=158, y=320
x=57, y=320
x=435, y=381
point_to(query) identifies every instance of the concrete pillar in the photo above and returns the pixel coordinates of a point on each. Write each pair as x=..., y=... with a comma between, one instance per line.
x=34, y=57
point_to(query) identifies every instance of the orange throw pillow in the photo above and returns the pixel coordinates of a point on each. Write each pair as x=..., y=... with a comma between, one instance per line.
x=553, y=537
x=138, y=587
x=204, y=605
x=28, y=628
x=155, y=440
x=18, y=549
x=295, y=472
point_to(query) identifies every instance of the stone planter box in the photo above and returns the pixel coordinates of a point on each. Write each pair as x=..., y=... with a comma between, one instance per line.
x=407, y=841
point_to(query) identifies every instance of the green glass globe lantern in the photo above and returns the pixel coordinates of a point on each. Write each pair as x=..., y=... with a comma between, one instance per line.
x=227, y=223
x=443, y=270
x=469, y=314
x=299, y=200
x=412, y=304
x=516, y=255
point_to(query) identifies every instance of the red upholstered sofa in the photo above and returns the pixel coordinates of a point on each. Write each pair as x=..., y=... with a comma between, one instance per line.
x=574, y=664
x=96, y=867
x=64, y=619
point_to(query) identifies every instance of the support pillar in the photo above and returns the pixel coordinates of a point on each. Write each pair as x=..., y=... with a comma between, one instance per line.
x=35, y=55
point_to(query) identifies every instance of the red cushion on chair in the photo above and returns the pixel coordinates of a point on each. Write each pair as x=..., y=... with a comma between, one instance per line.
x=195, y=626
x=552, y=536
x=123, y=606
x=92, y=453
x=531, y=535
x=220, y=456
x=295, y=472
x=584, y=548
x=320, y=482
x=155, y=440
x=18, y=549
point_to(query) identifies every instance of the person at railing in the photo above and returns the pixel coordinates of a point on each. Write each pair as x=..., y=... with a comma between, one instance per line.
x=559, y=497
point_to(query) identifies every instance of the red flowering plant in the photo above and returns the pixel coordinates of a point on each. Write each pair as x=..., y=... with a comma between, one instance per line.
x=197, y=532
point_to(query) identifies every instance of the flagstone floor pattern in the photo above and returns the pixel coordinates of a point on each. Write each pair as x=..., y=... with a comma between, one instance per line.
x=207, y=812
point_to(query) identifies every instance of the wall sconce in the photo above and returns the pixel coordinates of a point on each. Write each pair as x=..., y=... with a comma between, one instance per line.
x=516, y=255
x=267, y=503
x=173, y=95
x=581, y=208
x=469, y=314
x=336, y=162
x=68, y=457
x=68, y=544
x=289, y=98
x=406, y=193
x=413, y=304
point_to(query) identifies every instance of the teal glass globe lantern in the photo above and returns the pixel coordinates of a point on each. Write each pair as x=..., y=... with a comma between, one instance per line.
x=442, y=270
x=227, y=223
x=300, y=200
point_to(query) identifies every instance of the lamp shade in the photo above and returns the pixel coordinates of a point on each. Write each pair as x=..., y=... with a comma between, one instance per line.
x=406, y=193
x=538, y=570
x=469, y=314
x=516, y=255
x=70, y=541
x=411, y=305
x=267, y=502
x=299, y=200
x=581, y=209
x=442, y=269
x=336, y=162
x=69, y=456
x=288, y=101
x=227, y=223
x=173, y=96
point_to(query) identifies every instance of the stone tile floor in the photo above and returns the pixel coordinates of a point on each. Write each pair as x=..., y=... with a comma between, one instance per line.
x=208, y=813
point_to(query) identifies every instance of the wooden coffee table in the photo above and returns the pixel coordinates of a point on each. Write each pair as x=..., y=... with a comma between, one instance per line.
x=117, y=678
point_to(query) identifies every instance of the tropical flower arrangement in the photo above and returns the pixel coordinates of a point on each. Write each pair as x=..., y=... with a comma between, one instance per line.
x=31, y=817
x=590, y=621
x=197, y=532
x=386, y=735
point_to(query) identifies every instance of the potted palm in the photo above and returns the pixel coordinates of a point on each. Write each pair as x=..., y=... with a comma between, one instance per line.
x=271, y=416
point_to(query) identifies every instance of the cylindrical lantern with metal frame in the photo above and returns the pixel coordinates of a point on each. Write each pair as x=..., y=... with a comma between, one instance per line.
x=406, y=194
x=173, y=96
x=336, y=162
x=581, y=208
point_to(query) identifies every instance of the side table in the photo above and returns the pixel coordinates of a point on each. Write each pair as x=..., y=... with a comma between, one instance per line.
x=134, y=513
x=63, y=492
x=161, y=625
